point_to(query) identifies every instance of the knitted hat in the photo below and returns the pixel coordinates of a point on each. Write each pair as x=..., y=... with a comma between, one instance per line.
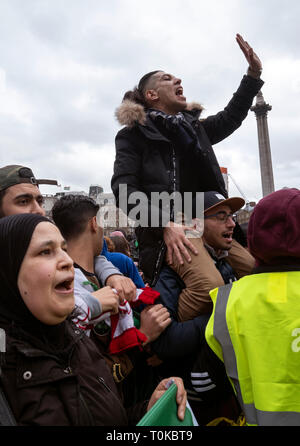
x=274, y=228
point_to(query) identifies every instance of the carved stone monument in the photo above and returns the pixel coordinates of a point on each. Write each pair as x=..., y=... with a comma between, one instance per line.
x=261, y=111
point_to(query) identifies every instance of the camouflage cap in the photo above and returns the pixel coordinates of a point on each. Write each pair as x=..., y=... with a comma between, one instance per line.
x=14, y=174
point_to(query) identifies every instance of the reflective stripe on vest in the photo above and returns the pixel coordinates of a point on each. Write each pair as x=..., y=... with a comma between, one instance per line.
x=221, y=334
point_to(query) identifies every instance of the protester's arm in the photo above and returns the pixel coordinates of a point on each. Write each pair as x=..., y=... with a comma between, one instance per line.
x=91, y=304
x=224, y=123
x=217, y=128
x=136, y=412
x=255, y=65
x=124, y=286
x=127, y=266
x=181, y=395
x=87, y=306
x=104, y=269
x=179, y=339
x=200, y=276
x=111, y=276
x=154, y=319
x=108, y=298
x=221, y=125
x=177, y=243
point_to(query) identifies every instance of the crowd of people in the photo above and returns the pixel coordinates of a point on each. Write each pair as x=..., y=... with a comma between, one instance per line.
x=57, y=367
x=96, y=326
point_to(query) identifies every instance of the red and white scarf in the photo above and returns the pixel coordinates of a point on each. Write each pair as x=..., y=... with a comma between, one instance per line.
x=124, y=335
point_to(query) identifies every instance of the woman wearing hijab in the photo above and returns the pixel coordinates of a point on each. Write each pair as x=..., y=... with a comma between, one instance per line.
x=52, y=373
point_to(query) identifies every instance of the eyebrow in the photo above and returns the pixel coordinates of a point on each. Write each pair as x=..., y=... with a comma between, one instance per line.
x=46, y=243
x=28, y=196
x=51, y=243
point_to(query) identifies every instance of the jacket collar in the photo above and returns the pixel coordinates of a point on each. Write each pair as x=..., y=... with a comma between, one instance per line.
x=130, y=113
x=223, y=254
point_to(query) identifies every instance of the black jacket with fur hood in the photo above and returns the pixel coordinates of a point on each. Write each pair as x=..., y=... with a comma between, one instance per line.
x=147, y=162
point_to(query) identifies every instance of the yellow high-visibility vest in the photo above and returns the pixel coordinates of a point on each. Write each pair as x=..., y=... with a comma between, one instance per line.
x=255, y=330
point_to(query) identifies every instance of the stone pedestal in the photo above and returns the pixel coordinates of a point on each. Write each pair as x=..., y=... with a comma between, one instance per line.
x=261, y=111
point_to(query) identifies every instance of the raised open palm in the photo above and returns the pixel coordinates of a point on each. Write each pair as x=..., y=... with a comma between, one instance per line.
x=252, y=58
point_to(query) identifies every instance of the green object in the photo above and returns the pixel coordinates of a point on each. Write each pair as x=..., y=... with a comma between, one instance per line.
x=136, y=319
x=164, y=412
x=93, y=285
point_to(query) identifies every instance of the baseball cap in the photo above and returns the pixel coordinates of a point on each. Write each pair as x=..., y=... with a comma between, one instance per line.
x=15, y=174
x=212, y=199
x=274, y=230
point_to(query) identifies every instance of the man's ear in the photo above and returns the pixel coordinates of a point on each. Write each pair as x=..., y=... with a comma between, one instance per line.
x=94, y=224
x=151, y=95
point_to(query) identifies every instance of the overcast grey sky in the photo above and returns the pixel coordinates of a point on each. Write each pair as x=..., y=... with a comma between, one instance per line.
x=65, y=65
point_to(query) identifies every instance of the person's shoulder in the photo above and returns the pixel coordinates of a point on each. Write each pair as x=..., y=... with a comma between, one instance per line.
x=128, y=132
x=119, y=258
x=125, y=131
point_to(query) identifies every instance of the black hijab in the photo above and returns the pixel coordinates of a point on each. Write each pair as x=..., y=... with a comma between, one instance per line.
x=15, y=235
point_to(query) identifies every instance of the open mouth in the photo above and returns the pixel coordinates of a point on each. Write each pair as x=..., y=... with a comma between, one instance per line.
x=179, y=91
x=227, y=235
x=65, y=286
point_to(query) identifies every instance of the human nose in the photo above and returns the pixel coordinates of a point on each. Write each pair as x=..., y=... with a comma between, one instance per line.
x=65, y=261
x=230, y=220
x=177, y=81
x=38, y=209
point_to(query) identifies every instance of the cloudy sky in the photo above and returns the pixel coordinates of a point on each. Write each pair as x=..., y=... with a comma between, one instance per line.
x=65, y=65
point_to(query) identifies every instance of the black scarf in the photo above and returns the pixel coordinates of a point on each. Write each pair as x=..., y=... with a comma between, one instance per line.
x=15, y=236
x=171, y=122
x=181, y=134
x=174, y=127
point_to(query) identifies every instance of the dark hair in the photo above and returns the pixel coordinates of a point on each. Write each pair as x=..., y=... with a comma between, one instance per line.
x=2, y=193
x=110, y=244
x=121, y=244
x=137, y=94
x=71, y=214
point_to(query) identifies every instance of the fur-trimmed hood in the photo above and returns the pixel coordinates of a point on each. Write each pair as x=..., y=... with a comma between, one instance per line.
x=130, y=112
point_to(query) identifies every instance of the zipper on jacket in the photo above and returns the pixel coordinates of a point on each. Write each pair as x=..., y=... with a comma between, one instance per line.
x=101, y=380
x=174, y=168
x=162, y=250
x=159, y=261
x=174, y=181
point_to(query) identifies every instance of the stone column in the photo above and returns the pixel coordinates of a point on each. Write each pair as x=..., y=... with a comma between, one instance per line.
x=261, y=111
